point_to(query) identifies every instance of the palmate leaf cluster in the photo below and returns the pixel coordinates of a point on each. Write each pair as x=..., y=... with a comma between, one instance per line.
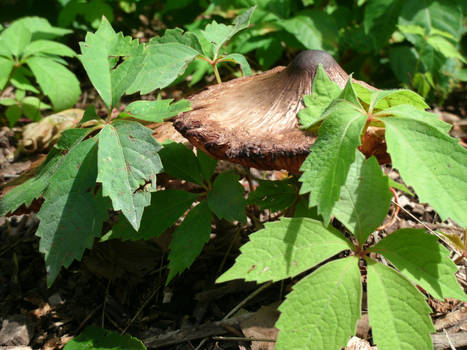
x=342, y=184
x=112, y=164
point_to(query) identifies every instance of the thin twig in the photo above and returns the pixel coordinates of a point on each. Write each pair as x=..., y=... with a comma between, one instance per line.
x=244, y=301
x=244, y=339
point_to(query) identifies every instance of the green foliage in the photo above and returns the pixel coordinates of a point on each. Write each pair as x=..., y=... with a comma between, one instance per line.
x=273, y=195
x=93, y=338
x=409, y=324
x=328, y=317
x=27, y=51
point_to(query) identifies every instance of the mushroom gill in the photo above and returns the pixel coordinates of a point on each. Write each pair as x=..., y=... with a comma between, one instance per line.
x=253, y=120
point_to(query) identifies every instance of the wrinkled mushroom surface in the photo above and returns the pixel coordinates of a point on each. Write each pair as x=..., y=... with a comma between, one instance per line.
x=253, y=120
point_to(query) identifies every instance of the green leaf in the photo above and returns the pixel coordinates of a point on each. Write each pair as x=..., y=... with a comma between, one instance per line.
x=64, y=232
x=33, y=188
x=419, y=256
x=218, y=34
x=284, y=249
x=176, y=35
x=99, y=56
x=128, y=165
x=445, y=47
x=6, y=66
x=325, y=169
x=166, y=208
x=383, y=99
x=89, y=114
x=379, y=22
x=207, y=165
x=4, y=50
x=431, y=162
x=48, y=47
x=403, y=60
x=399, y=317
x=189, y=238
x=20, y=81
x=364, y=199
x=324, y=92
x=322, y=310
x=8, y=101
x=93, y=338
x=238, y=59
x=163, y=63
x=41, y=28
x=13, y=113
x=226, y=197
x=399, y=187
x=273, y=195
x=32, y=107
x=157, y=111
x=57, y=82
x=16, y=37
x=180, y=162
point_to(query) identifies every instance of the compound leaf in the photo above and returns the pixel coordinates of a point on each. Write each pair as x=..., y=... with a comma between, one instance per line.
x=128, y=164
x=364, y=199
x=165, y=209
x=103, y=339
x=399, y=316
x=326, y=167
x=430, y=161
x=176, y=35
x=226, y=198
x=322, y=310
x=157, y=111
x=56, y=81
x=16, y=37
x=419, y=256
x=189, y=238
x=284, y=249
x=71, y=216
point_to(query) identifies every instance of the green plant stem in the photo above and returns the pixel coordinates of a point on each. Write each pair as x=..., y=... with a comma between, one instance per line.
x=216, y=73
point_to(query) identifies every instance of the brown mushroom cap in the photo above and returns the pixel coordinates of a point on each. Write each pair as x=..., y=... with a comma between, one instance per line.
x=253, y=120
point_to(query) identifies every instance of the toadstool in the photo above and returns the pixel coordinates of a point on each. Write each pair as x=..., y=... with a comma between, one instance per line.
x=253, y=120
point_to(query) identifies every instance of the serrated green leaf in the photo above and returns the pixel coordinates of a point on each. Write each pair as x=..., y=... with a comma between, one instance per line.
x=240, y=60
x=324, y=91
x=63, y=231
x=163, y=63
x=284, y=249
x=71, y=137
x=349, y=93
x=326, y=167
x=48, y=47
x=128, y=164
x=157, y=111
x=93, y=338
x=399, y=316
x=176, y=35
x=430, y=161
x=6, y=66
x=364, y=199
x=218, y=34
x=273, y=195
x=99, y=56
x=165, y=209
x=180, y=162
x=419, y=256
x=56, y=81
x=207, y=165
x=226, y=197
x=322, y=310
x=16, y=37
x=189, y=239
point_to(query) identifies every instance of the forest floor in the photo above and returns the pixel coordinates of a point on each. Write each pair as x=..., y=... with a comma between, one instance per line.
x=121, y=285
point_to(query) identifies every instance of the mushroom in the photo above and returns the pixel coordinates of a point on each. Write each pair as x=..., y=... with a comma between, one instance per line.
x=253, y=120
